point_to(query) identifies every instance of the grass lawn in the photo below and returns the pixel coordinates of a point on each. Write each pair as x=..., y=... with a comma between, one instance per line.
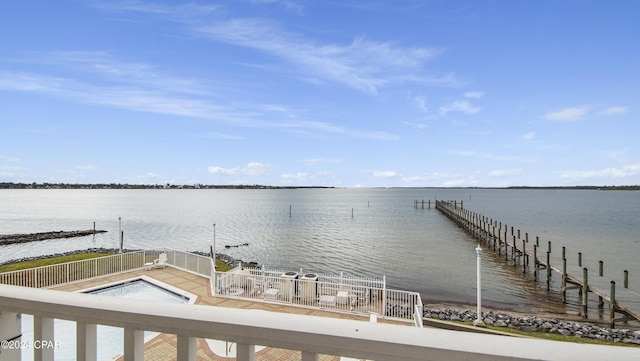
x=49, y=261
x=220, y=266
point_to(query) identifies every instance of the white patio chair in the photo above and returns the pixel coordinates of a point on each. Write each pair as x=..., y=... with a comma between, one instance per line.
x=161, y=261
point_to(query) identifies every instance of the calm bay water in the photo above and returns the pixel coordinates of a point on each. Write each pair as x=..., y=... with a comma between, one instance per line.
x=418, y=250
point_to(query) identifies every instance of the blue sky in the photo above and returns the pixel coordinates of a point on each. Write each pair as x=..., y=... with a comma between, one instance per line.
x=333, y=93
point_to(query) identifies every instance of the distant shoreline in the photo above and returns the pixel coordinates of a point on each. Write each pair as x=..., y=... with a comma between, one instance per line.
x=11, y=185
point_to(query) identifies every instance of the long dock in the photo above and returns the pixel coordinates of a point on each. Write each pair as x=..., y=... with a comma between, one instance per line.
x=515, y=248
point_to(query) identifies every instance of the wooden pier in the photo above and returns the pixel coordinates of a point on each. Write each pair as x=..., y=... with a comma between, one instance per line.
x=515, y=248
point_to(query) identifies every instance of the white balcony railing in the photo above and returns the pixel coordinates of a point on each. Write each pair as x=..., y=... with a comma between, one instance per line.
x=69, y=272
x=347, y=294
x=310, y=335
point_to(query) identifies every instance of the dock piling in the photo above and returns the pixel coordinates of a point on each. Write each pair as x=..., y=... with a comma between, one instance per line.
x=564, y=280
x=548, y=269
x=579, y=259
x=612, y=305
x=600, y=268
x=585, y=293
x=535, y=262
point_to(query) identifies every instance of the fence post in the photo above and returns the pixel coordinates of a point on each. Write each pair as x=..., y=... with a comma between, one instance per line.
x=384, y=295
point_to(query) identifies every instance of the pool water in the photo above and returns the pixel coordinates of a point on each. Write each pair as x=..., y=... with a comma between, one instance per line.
x=110, y=339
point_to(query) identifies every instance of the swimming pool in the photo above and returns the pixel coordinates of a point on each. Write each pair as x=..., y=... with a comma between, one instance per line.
x=111, y=339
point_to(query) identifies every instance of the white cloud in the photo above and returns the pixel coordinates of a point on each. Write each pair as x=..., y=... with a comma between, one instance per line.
x=289, y=5
x=614, y=111
x=385, y=174
x=475, y=95
x=315, y=161
x=300, y=176
x=491, y=156
x=421, y=102
x=414, y=125
x=8, y=159
x=568, y=114
x=459, y=106
x=428, y=177
x=505, y=172
x=615, y=172
x=87, y=167
x=216, y=135
x=149, y=96
x=529, y=136
x=251, y=169
x=362, y=64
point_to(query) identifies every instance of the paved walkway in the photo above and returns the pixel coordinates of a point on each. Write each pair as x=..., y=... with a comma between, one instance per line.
x=163, y=346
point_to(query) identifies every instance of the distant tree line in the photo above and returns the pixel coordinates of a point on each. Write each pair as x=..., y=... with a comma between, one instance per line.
x=604, y=188
x=10, y=185
x=621, y=188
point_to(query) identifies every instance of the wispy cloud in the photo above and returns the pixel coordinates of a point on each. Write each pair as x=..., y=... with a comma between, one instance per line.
x=139, y=87
x=216, y=135
x=289, y=5
x=436, y=176
x=385, y=174
x=315, y=161
x=614, y=111
x=8, y=158
x=251, y=169
x=462, y=106
x=568, y=114
x=300, y=176
x=491, y=156
x=415, y=125
x=506, y=172
x=611, y=173
x=362, y=64
x=420, y=101
x=529, y=136
x=89, y=167
x=475, y=95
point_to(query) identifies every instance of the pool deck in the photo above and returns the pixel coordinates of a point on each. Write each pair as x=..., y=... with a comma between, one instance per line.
x=163, y=347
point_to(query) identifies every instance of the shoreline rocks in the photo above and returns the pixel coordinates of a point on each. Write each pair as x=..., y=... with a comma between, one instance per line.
x=537, y=324
x=41, y=236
